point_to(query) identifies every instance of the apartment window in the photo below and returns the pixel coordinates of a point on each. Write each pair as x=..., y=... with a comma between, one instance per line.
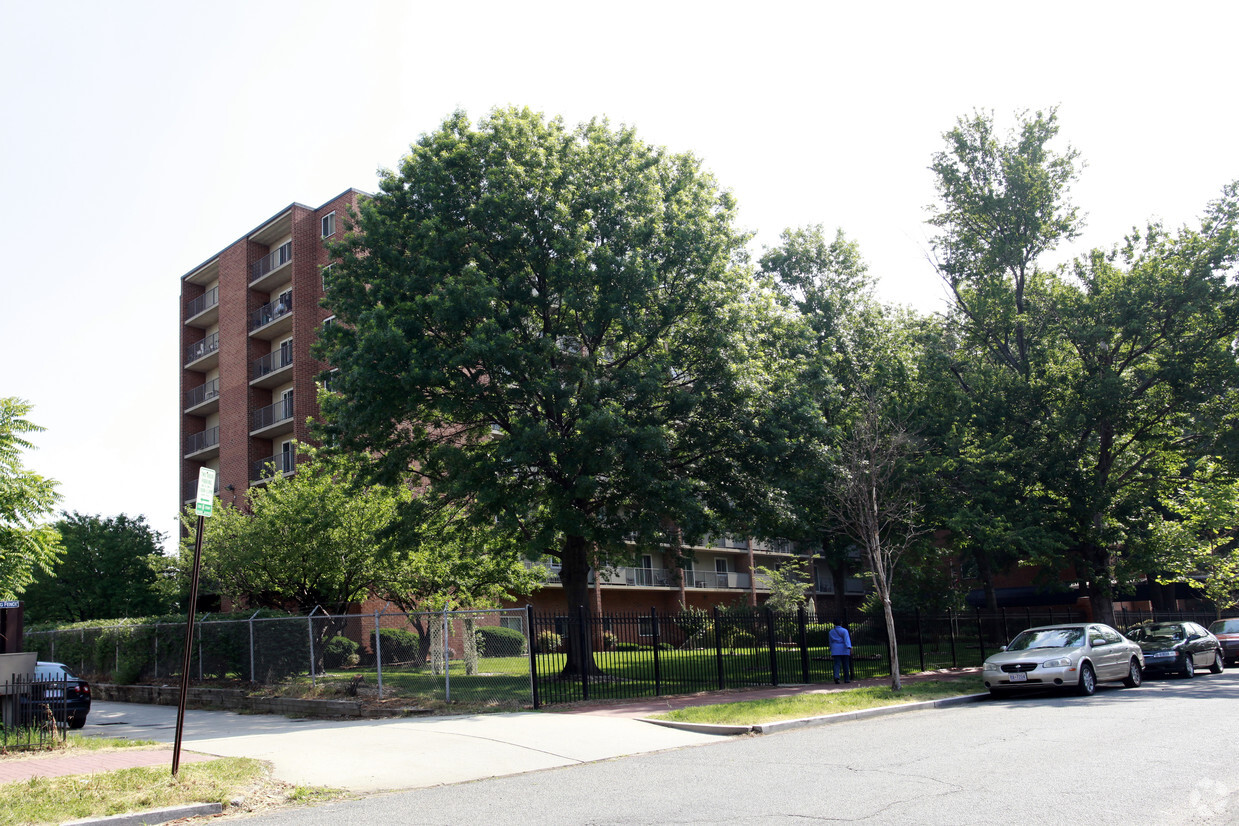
x=286, y=352
x=287, y=399
x=645, y=626
x=323, y=275
x=288, y=455
x=329, y=224
x=515, y=623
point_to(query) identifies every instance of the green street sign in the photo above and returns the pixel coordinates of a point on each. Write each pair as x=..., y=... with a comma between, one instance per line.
x=206, y=492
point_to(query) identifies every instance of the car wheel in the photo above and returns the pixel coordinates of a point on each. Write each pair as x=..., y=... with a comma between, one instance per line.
x=1134, y=674
x=1218, y=665
x=77, y=722
x=1189, y=667
x=1088, y=680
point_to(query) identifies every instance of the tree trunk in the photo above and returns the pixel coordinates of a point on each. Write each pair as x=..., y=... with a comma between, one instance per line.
x=838, y=578
x=986, y=571
x=574, y=575
x=1100, y=583
x=896, y=680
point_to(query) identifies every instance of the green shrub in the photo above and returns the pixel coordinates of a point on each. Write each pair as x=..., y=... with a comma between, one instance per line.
x=609, y=641
x=399, y=645
x=817, y=634
x=497, y=641
x=630, y=646
x=341, y=652
x=548, y=642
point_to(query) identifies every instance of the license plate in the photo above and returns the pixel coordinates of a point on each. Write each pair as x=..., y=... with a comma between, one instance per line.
x=53, y=692
x=1019, y=677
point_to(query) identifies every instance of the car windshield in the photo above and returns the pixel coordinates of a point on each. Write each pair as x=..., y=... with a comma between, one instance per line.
x=1227, y=626
x=1157, y=633
x=1048, y=638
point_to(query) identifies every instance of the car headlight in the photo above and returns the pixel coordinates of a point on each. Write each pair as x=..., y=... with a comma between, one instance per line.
x=1061, y=662
x=989, y=666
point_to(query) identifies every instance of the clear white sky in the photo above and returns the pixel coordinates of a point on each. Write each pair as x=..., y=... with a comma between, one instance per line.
x=140, y=138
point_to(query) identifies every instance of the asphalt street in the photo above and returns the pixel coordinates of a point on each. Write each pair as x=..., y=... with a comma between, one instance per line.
x=1163, y=753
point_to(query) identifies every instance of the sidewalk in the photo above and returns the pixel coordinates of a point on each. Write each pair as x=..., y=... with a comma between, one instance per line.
x=401, y=753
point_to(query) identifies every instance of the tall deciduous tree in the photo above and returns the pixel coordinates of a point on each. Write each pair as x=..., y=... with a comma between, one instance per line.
x=28, y=545
x=1104, y=379
x=556, y=326
x=111, y=568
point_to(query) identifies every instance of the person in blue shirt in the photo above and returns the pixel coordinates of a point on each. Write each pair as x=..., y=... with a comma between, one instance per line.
x=841, y=651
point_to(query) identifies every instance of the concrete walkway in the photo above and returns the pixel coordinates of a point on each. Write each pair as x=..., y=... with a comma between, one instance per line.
x=405, y=753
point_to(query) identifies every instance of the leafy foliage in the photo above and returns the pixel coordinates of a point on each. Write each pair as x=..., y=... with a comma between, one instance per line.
x=27, y=546
x=112, y=567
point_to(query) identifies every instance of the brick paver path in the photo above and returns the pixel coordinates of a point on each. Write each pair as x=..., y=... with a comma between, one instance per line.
x=23, y=767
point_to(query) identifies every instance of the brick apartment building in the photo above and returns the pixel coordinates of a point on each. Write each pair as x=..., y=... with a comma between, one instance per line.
x=248, y=316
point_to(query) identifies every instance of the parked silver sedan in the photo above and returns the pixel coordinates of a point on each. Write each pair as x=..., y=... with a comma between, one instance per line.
x=1073, y=656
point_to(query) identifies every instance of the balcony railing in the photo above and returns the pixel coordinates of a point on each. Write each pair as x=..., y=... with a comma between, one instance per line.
x=275, y=360
x=269, y=312
x=195, y=396
x=270, y=262
x=189, y=489
x=273, y=413
x=196, y=442
x=202, y=348
x=283, y=462
x=204, y=302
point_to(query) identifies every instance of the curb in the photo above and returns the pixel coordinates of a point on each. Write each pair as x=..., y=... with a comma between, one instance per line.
x=824, y=720
x=153, y=816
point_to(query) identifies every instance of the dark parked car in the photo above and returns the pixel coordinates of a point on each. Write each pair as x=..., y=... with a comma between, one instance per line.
x=56, y=695
x=1227, y=633
x=1177, y=648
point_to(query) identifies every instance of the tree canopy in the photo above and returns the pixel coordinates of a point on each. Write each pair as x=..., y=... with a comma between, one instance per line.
x=28, y=545
x=111, y=568
x=558, y=327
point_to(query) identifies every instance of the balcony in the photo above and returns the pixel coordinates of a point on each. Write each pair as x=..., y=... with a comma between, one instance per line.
x=273, y=419
x=204, y=445
x=658, y=578
x=273, y=319
x=272, y=270
x=265, y=469
x=203, y=311
x=203, y=355
x=272, y=369
x=202, y=399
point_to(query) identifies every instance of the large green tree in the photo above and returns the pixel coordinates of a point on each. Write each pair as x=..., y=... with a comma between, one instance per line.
x=313, y=539
x=1096, y=383
x=111, y=568
x=556, y=326
x=28, y=544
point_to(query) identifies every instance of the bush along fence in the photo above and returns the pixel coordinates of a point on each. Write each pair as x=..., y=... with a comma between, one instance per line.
x=478, y=657
x=628, y=656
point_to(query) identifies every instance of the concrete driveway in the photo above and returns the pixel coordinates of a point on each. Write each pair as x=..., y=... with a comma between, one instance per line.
x=406, y=753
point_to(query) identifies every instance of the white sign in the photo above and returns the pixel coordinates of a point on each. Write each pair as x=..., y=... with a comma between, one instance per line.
x=206, y=492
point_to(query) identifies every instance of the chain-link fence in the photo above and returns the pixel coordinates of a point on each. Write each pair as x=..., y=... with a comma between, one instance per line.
x=478, y=657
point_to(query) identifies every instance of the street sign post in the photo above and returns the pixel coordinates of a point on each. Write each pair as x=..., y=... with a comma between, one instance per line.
x=202, y=507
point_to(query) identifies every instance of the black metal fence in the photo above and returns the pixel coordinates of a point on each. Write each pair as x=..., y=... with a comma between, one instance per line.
x=36, y=712
x=582, y=656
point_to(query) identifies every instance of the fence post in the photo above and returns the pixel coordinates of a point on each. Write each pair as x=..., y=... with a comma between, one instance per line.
x=447, y=661
x=156, y=669
x=920, y=645
x=309, y=629
x=378, y=653
x=657, y=665
x=253, y=666
x=1006, y=635
x=533, y=657
x=200, y=646
x=980, y=635
x=950, y=625
x=774, y=651
x=803, y=640
x=718, y=649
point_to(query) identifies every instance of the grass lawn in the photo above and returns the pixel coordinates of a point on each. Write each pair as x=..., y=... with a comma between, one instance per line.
x=751, y=712
x=57, y=799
